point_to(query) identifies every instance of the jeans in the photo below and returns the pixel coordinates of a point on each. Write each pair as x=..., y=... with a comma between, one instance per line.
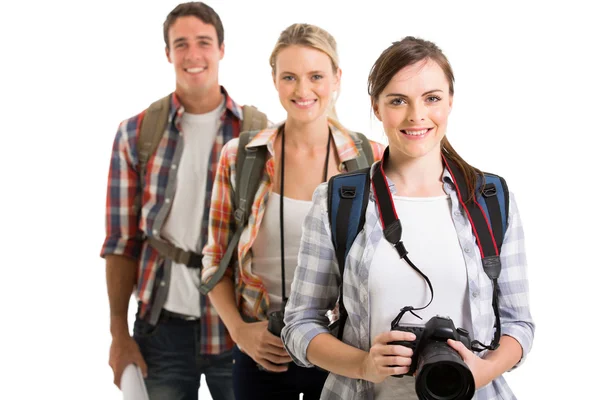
x=170, y=349
x=251, y=383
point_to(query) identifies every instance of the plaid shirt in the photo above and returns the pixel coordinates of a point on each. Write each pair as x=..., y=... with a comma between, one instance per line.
x=315, y=290
x=126, y=224
x=251, y=295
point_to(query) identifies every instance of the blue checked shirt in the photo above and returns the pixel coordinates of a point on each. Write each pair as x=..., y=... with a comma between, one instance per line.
x=315, y=290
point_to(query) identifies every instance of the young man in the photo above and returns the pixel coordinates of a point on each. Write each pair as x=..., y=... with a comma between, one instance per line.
x=156, y=212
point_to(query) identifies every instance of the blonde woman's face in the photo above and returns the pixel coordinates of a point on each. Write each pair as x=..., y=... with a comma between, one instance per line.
x=414, y=109
x=306, y=82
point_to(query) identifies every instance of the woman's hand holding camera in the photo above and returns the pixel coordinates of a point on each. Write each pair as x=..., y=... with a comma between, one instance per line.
x=479, y=367
x=265, y=348
x=384, y=360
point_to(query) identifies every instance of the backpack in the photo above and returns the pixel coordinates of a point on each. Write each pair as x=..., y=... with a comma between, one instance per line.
x=249, y=166
x=152, y=130
x=348, y=197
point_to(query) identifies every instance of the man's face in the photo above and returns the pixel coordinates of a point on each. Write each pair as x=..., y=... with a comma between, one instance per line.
x=195, y=53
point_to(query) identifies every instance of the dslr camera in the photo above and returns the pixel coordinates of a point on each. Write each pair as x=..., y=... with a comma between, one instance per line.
x=441, y=374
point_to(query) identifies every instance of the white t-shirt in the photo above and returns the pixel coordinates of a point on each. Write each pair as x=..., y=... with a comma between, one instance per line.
x=183, y=225
x=430, y=238
x=266, y=249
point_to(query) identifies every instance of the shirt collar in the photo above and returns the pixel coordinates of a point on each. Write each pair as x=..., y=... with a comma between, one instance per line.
x=177, y=110
x=447, y=181
x=342, y=140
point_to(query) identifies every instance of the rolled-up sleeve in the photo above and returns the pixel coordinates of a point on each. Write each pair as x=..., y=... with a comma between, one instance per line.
x=315, y=288
x=123, y=195
x=513, y=300
x=221, y=222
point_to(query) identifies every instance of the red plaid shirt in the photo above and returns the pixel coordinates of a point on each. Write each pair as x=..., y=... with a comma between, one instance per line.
x=127, y=223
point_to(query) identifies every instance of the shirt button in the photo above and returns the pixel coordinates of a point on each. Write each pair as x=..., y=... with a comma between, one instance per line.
x=155, y=232
x=162, y=283
x=173, y=166
x=457, y=213
x=167, y=200
x=475, y=294
x=467, y=250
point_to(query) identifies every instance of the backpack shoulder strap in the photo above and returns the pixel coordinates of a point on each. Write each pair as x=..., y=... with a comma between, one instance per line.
x=489, y=216
x=253, y=119
x=494, y=198
x=250, y=163
x=365, y=152
x=488, y=213
x=249, y=167
x=347, y=197
x=152, y=130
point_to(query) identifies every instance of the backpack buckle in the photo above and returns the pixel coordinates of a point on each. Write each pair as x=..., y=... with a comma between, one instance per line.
x=239, y=215
x=348, y=192
x=489, y=190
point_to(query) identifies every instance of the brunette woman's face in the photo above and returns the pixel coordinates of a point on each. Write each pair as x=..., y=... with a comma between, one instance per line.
x=414, y=109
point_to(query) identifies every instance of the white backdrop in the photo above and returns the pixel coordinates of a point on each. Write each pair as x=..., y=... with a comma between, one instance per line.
x=526, y=107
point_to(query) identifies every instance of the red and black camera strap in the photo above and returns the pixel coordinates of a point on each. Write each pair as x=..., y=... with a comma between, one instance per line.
x=392, y=230
x=488, y=234
x=487, y=238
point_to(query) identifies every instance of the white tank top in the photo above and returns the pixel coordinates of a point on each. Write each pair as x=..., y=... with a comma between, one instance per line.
x=430, y=238
x=266, y=250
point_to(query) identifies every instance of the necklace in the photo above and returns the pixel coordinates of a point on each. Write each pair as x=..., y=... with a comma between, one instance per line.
x=283, y=296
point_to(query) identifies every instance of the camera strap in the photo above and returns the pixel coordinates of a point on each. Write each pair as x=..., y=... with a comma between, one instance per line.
x=488, y=229
x=283, y=296
x=392, y=229
x=488, y=239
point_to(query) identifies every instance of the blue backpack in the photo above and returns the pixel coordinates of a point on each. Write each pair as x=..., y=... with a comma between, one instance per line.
x=348, y=197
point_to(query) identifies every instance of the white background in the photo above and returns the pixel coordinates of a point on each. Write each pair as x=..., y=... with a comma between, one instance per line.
x=526, y=107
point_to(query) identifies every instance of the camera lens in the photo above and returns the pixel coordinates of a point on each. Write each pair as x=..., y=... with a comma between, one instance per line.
x=442, y=374
x=442, y=381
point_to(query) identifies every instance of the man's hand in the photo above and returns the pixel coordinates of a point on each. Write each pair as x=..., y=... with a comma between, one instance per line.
x=124, y=351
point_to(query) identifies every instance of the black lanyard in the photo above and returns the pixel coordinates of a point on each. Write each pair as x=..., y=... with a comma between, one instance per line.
x=282, y=130
x=392, y=229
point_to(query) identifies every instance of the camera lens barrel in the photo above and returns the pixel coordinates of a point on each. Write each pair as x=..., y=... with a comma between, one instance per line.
x=442, y=374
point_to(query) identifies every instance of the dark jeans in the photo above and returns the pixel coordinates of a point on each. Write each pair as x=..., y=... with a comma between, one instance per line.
x=251, y=383
x=174, y=365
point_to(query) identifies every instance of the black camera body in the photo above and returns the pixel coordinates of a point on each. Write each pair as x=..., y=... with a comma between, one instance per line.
x=441, y=374
x=438, y=329
x=276, y=323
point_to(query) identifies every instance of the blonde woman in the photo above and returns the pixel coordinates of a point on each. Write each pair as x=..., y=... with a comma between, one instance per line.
x=304, y=151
